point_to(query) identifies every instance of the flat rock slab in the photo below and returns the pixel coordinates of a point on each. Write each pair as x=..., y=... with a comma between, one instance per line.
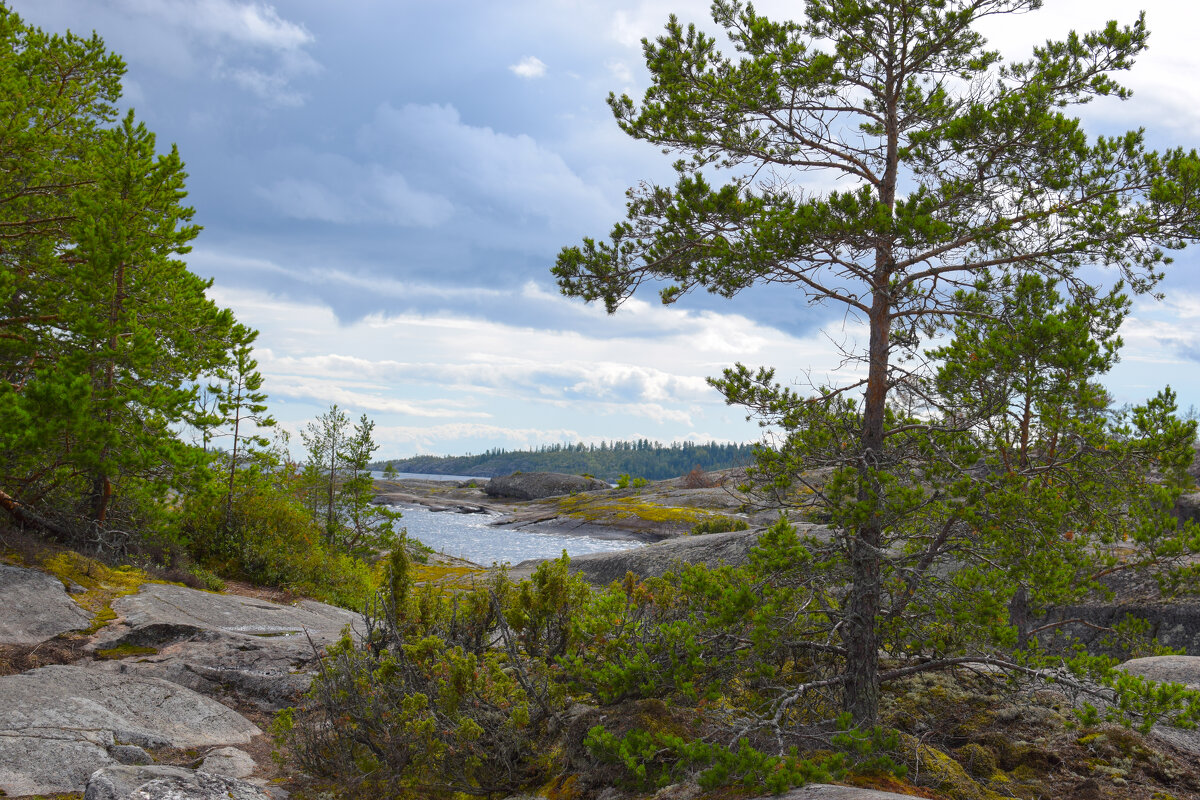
x=210, y=642
x=167, y=783
x=59, y=724
x=35, y=607
x=536, y=485
x=163, y=604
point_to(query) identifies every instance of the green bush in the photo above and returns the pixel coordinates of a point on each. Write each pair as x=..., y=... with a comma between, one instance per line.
x=625, y=482
x=270, y=540
x=719, y=523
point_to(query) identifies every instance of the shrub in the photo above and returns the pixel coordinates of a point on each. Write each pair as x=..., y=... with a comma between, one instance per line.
x=719, y=523
x=269, y=539
x=697, y=479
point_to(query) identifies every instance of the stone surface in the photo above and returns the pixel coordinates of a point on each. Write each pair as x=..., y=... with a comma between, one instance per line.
x=1176, y=669
x=57, y=724
x=35, y=607
x=536, y=485
x=167, y=783
x=130, y=754
x=212, y=643
x=1172, y=669
x=228, y=761
x=1175, y=623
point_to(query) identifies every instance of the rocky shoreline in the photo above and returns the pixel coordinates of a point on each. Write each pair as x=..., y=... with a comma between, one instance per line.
x=163, y=691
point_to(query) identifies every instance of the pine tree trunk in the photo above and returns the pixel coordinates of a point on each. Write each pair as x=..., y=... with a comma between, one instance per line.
x=861, y=636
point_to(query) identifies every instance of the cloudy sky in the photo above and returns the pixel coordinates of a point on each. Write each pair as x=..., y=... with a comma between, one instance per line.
x=384, y=185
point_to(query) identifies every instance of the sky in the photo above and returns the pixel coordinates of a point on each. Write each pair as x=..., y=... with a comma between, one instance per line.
x=384, y=186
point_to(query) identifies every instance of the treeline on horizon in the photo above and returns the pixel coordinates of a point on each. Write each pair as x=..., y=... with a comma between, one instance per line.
x=606, y=460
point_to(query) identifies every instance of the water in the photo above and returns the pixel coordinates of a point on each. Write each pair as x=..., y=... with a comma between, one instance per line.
x=470, y=536
x=400, y=476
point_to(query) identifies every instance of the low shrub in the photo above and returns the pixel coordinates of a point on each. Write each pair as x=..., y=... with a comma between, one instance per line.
x=719, y=523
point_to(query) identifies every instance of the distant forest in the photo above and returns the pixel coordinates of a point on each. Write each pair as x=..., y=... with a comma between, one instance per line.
x=607, y=460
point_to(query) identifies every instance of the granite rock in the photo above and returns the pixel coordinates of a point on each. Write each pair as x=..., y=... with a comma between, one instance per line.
x=536, y=485
x=58, y=724
x=35, y=607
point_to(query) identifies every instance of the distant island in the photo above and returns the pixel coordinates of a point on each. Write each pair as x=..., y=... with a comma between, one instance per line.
x=607, y=460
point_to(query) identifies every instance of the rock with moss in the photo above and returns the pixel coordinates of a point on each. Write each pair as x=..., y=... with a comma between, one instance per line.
x=536, y=485
x=35, y=607
x=210, y=643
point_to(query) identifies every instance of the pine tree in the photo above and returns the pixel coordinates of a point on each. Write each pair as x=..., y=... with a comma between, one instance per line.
x=952, y=172
x=240, y=402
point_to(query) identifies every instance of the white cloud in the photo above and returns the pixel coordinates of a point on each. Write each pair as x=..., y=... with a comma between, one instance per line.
x=344, y=192
x=456, y=370
x=246, y=43
x=487, y=171
x=529, y=67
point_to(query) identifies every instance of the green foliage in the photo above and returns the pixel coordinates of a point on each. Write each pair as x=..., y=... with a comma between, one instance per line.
x=654, y=760
x=268, y=538
x=608, y=460
x=719, y=523
x=625, y=482
x=103, y=330
x=724, y=676
x=340, y=488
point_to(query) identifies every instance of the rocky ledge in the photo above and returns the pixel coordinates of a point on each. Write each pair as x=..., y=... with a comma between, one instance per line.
x=176, y=670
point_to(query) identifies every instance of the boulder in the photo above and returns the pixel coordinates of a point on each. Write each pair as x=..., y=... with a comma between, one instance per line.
x=536, y=485
x=1170, y=669
x=1173, y=669
x=1174, y=623
x=59, y=724
x=35, y=607
x=213, y=643
x=228, y=761
x=167, y=783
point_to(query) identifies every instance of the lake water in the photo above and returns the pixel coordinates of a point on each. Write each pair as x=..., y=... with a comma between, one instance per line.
x=470, y=536
x=377, y=475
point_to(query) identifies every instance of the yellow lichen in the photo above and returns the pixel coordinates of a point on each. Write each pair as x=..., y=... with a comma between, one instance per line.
x=591, y=509
x=446, y=576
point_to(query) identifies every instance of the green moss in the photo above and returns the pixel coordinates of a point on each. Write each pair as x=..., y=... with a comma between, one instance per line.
x=125, y=651
x=949, y=778
x=102, y=584
x=977, y=760
x=591, y=509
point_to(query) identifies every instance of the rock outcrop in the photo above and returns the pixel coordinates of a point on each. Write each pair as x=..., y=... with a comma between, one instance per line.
x=164, y=664
x=59, y=724
x=212, y=643
x=713, y=549
x=536, y=485
x=167, y=783
x=37, y=607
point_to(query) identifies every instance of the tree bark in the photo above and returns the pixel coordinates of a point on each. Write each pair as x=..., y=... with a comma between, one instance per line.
x=25, y=516
x=861, y=694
